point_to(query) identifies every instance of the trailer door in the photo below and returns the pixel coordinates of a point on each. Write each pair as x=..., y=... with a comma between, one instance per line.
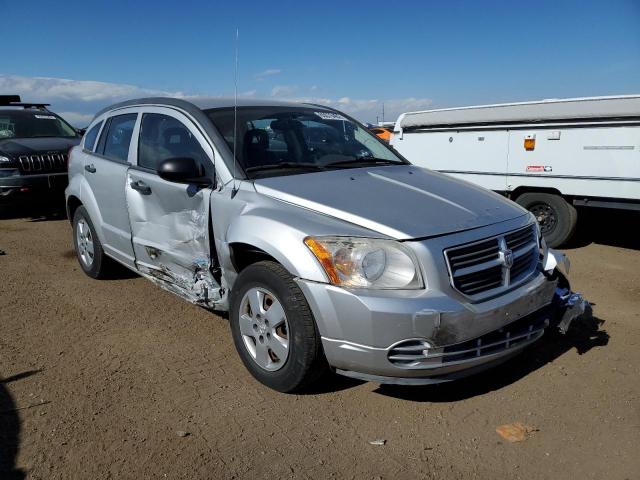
x=476, y=156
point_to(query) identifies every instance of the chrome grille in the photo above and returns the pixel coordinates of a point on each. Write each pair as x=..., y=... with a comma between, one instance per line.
x=43, y=162
x=494, y=264
x=416, y=353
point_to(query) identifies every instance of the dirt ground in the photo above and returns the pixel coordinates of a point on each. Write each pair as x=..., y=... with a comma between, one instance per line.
x=97, y=378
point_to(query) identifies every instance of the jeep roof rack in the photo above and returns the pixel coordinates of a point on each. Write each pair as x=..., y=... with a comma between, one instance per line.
x=16, y=101
x=7, y=99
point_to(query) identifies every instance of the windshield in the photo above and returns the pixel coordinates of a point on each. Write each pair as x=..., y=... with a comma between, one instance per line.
x=29, y=124
x=286, y=140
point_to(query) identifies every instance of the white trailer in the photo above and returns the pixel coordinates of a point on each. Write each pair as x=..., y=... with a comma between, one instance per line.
x=549, y=156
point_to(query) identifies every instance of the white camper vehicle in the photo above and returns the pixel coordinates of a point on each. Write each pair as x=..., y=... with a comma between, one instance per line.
x=549, y=156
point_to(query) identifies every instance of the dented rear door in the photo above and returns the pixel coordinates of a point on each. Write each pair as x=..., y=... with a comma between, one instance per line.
x=170, y=221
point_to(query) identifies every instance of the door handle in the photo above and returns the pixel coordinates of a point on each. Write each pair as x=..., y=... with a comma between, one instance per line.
x=90, y=168
x=141, y=187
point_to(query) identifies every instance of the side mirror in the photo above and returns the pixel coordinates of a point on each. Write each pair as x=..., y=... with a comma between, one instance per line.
x=183, y=170
x=81, y=131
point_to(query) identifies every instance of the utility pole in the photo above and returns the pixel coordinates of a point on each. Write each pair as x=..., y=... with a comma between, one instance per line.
x=383, y=113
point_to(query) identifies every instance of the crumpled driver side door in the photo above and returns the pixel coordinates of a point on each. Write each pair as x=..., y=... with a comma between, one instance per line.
x=170, y=221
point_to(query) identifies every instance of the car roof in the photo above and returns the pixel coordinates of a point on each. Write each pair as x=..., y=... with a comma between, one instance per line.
x=196, y=107
x=226, y=102
x=203, y=103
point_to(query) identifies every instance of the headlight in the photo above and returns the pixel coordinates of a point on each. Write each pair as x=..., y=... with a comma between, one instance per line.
x=366, y=262
x=4, y=159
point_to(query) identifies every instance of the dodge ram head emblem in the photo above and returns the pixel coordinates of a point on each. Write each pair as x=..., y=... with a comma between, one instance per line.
x=506, y=256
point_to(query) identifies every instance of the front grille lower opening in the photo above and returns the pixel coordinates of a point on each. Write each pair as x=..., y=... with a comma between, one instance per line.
x=418, y=354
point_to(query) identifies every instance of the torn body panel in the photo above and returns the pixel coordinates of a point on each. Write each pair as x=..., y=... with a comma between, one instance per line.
x=569, y=305
x=572, y=306
x=198, y=289
x=171, y=238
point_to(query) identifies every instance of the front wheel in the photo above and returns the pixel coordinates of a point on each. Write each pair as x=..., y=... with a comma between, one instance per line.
x=556, y=217
x=273, y=328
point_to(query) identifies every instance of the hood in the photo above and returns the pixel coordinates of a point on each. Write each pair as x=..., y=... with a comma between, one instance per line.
x=14, y=147
x=402, y=202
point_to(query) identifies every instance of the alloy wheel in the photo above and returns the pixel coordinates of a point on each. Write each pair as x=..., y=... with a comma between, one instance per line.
x=264, y=328
x=84, y=243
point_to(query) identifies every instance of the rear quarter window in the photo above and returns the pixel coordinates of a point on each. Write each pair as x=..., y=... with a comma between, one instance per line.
x=91, y=137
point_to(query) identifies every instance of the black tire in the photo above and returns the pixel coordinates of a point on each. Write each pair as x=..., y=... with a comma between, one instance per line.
x=305, y=362
x=100, y=265
x=557, y=218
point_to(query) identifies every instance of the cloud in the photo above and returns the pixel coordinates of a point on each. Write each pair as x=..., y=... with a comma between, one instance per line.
x=368, y=110
x=52, y=89
x=283, y=90
x=77, y=119
x=79, y=100
x=269, y=72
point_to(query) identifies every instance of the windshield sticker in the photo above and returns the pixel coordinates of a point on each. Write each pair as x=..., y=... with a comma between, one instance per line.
x=330, y=116
x=47, y=117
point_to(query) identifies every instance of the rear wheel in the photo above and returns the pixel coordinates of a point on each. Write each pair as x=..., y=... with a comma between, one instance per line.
x=273, y=328
x=556, y=217
x=87, y=245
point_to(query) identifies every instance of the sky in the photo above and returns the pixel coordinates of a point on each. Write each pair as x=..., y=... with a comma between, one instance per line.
x=354, y=55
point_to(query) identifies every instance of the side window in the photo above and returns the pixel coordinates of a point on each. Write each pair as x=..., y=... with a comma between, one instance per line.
x=91, y=136
x=7, y=127
x=116, y=137
x=163, y=137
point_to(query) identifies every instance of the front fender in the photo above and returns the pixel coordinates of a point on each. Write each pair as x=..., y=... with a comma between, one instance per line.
x=280, y=240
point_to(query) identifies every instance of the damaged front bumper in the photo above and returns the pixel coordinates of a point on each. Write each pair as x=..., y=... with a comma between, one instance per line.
x=569, y=305
x=573, y=305
x=434, y=338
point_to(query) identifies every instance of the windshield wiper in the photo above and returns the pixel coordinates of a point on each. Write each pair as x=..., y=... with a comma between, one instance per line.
x=284, y=166
x=364, y=161
x=50, y=136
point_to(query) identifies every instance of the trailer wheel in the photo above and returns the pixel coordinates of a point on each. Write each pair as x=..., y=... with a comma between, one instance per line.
x=556, y=217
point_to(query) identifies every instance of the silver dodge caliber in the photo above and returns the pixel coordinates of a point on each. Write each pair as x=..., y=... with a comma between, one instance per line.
x=326, y=247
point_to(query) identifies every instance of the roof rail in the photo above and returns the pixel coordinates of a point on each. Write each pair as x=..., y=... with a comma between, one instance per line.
x=16, y=101
x=29, y=105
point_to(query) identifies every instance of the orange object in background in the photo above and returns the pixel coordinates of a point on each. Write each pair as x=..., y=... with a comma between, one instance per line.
x=530, y=143
x=382, y=133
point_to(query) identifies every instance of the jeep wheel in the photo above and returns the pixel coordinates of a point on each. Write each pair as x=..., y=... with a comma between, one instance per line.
x=273, y=328
x=556, y=217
